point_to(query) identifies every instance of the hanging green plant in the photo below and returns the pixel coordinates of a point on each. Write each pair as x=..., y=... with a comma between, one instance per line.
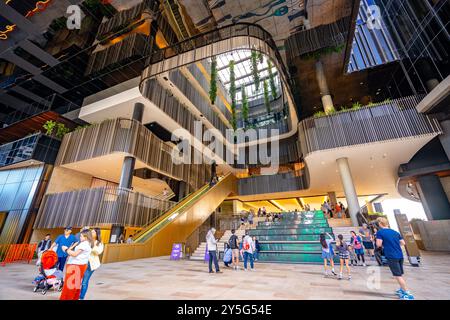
x=49, y=126
x=273, y=87
x=61, y=130
x=233, y=94
x=260, y=57
x=266, y=96
x=244, y=107
x=213, y=81
x=254, y=68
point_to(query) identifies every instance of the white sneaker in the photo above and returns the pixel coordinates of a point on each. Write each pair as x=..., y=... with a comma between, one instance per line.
x=340, y=276
x=253, y=269
x=349, y=277
x=245, y=269
x=364, y=265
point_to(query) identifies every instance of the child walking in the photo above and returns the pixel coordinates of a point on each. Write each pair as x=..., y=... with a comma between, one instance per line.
x=344, y=256
x=356, y=243
x=353, y=261
x=327, y=252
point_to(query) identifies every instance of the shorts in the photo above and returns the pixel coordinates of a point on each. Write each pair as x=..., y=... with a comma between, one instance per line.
x=396, y=266
x=359, y=251
x=235, y=253
x=368, y=245
x=344, y=255
x=327, y=255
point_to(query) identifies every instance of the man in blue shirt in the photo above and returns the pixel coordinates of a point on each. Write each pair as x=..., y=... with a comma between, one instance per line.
x=391, y=241
x=66, y=239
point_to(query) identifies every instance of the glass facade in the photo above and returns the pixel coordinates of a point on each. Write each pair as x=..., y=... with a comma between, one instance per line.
x=420, y=30
x=372, y=44
x=18, y=189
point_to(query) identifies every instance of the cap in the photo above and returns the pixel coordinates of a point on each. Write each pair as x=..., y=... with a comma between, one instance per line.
x=68, y=228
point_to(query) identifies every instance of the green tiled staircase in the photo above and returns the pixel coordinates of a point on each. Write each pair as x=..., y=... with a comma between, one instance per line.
x=294, y=239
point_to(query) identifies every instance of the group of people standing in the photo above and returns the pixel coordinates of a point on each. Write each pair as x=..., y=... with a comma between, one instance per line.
x=353, y=253
x=247, y=249
x=337, y=210
x=78, y=255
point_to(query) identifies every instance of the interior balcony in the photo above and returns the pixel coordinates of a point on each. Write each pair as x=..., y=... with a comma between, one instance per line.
x=375, y=139
x=99, y=150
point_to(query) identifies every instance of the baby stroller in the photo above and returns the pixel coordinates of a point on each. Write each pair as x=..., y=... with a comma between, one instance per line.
x=49, y=276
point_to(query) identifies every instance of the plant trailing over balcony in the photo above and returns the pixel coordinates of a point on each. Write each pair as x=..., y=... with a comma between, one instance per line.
x=254, y=68
x=49, y=126
x=244, y=107
x=266, y=96
x=213, y=81
x=273, y=87
x=61, y=130
x=323, y=51
x=98, y=8
x=233, y=94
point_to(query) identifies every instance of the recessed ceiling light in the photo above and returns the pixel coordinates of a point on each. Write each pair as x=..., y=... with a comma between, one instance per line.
x=323, y=162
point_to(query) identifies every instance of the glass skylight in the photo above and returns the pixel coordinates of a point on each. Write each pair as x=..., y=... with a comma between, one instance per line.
x=243, y=73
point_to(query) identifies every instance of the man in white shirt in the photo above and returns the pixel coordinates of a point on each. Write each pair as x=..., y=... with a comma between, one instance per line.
x=211, y=243
x=248, y=246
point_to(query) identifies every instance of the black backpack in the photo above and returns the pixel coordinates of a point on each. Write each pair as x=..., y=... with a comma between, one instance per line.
x=233, y=242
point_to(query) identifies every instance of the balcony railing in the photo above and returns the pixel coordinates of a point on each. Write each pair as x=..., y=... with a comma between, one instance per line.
x=282, y=182
x=103, y=206
x=396, y=119
x=37, y=147
x=129, y=137
x=119, y=135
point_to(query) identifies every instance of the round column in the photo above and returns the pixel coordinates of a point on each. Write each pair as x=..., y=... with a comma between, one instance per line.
x=349, y=189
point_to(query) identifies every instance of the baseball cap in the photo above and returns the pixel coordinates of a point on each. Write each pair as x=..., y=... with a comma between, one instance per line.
x=68, y=228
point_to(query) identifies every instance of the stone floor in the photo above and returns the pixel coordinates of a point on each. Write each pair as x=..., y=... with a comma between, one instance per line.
x=160, y=278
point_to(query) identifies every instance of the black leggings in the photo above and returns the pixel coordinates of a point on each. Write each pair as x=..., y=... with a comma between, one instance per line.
x=361, y=256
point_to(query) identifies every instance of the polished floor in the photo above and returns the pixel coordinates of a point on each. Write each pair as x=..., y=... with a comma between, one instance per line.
x=160, y=278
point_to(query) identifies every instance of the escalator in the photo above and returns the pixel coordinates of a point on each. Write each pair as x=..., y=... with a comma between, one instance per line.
x=175, y=226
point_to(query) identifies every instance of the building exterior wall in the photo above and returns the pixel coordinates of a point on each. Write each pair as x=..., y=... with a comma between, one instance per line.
x=446, y=185
x=18, y=191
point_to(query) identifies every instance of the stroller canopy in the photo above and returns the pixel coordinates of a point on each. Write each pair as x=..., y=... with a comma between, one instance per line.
x=49, y=259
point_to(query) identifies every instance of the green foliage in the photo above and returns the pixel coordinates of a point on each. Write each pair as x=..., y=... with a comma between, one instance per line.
x=319, y=114
x=49, y=126
x=244, y=107
x=213, y=81
x=98, y=9
x=61, y=130
x=58, y=24
x=233, y=94
x=324, y=51
x=331, y=111
x=260, y=57
x=266, y=96
x=273, y=87
x=356, y=106
x=254, y=68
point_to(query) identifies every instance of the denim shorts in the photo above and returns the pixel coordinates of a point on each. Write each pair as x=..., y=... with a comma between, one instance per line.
x=327, y=255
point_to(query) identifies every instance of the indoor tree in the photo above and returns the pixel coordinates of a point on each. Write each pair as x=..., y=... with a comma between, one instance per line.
x=213, y=81
x=233, y=94
x=273, y=87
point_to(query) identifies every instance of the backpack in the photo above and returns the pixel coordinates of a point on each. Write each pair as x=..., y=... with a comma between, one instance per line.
x=232, y=242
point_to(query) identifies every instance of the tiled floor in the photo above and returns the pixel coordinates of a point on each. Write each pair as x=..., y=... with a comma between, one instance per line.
x=160, y=278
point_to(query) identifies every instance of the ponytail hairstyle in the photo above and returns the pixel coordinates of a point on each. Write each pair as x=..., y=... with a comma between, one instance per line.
x=323, y=242
x=342, y=242
x=98, y=234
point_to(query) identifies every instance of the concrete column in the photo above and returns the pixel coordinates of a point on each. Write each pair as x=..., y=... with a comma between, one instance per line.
x=126, y=177
x=138, y=111
x=327, y=102
x=433, y=196
x=349, y=189
x=332, y=197
x=445, y=137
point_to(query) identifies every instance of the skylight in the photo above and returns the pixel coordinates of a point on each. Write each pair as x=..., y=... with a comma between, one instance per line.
x=243, y=73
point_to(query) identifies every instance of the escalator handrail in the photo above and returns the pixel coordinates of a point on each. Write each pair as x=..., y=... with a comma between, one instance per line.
x=182, y=206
